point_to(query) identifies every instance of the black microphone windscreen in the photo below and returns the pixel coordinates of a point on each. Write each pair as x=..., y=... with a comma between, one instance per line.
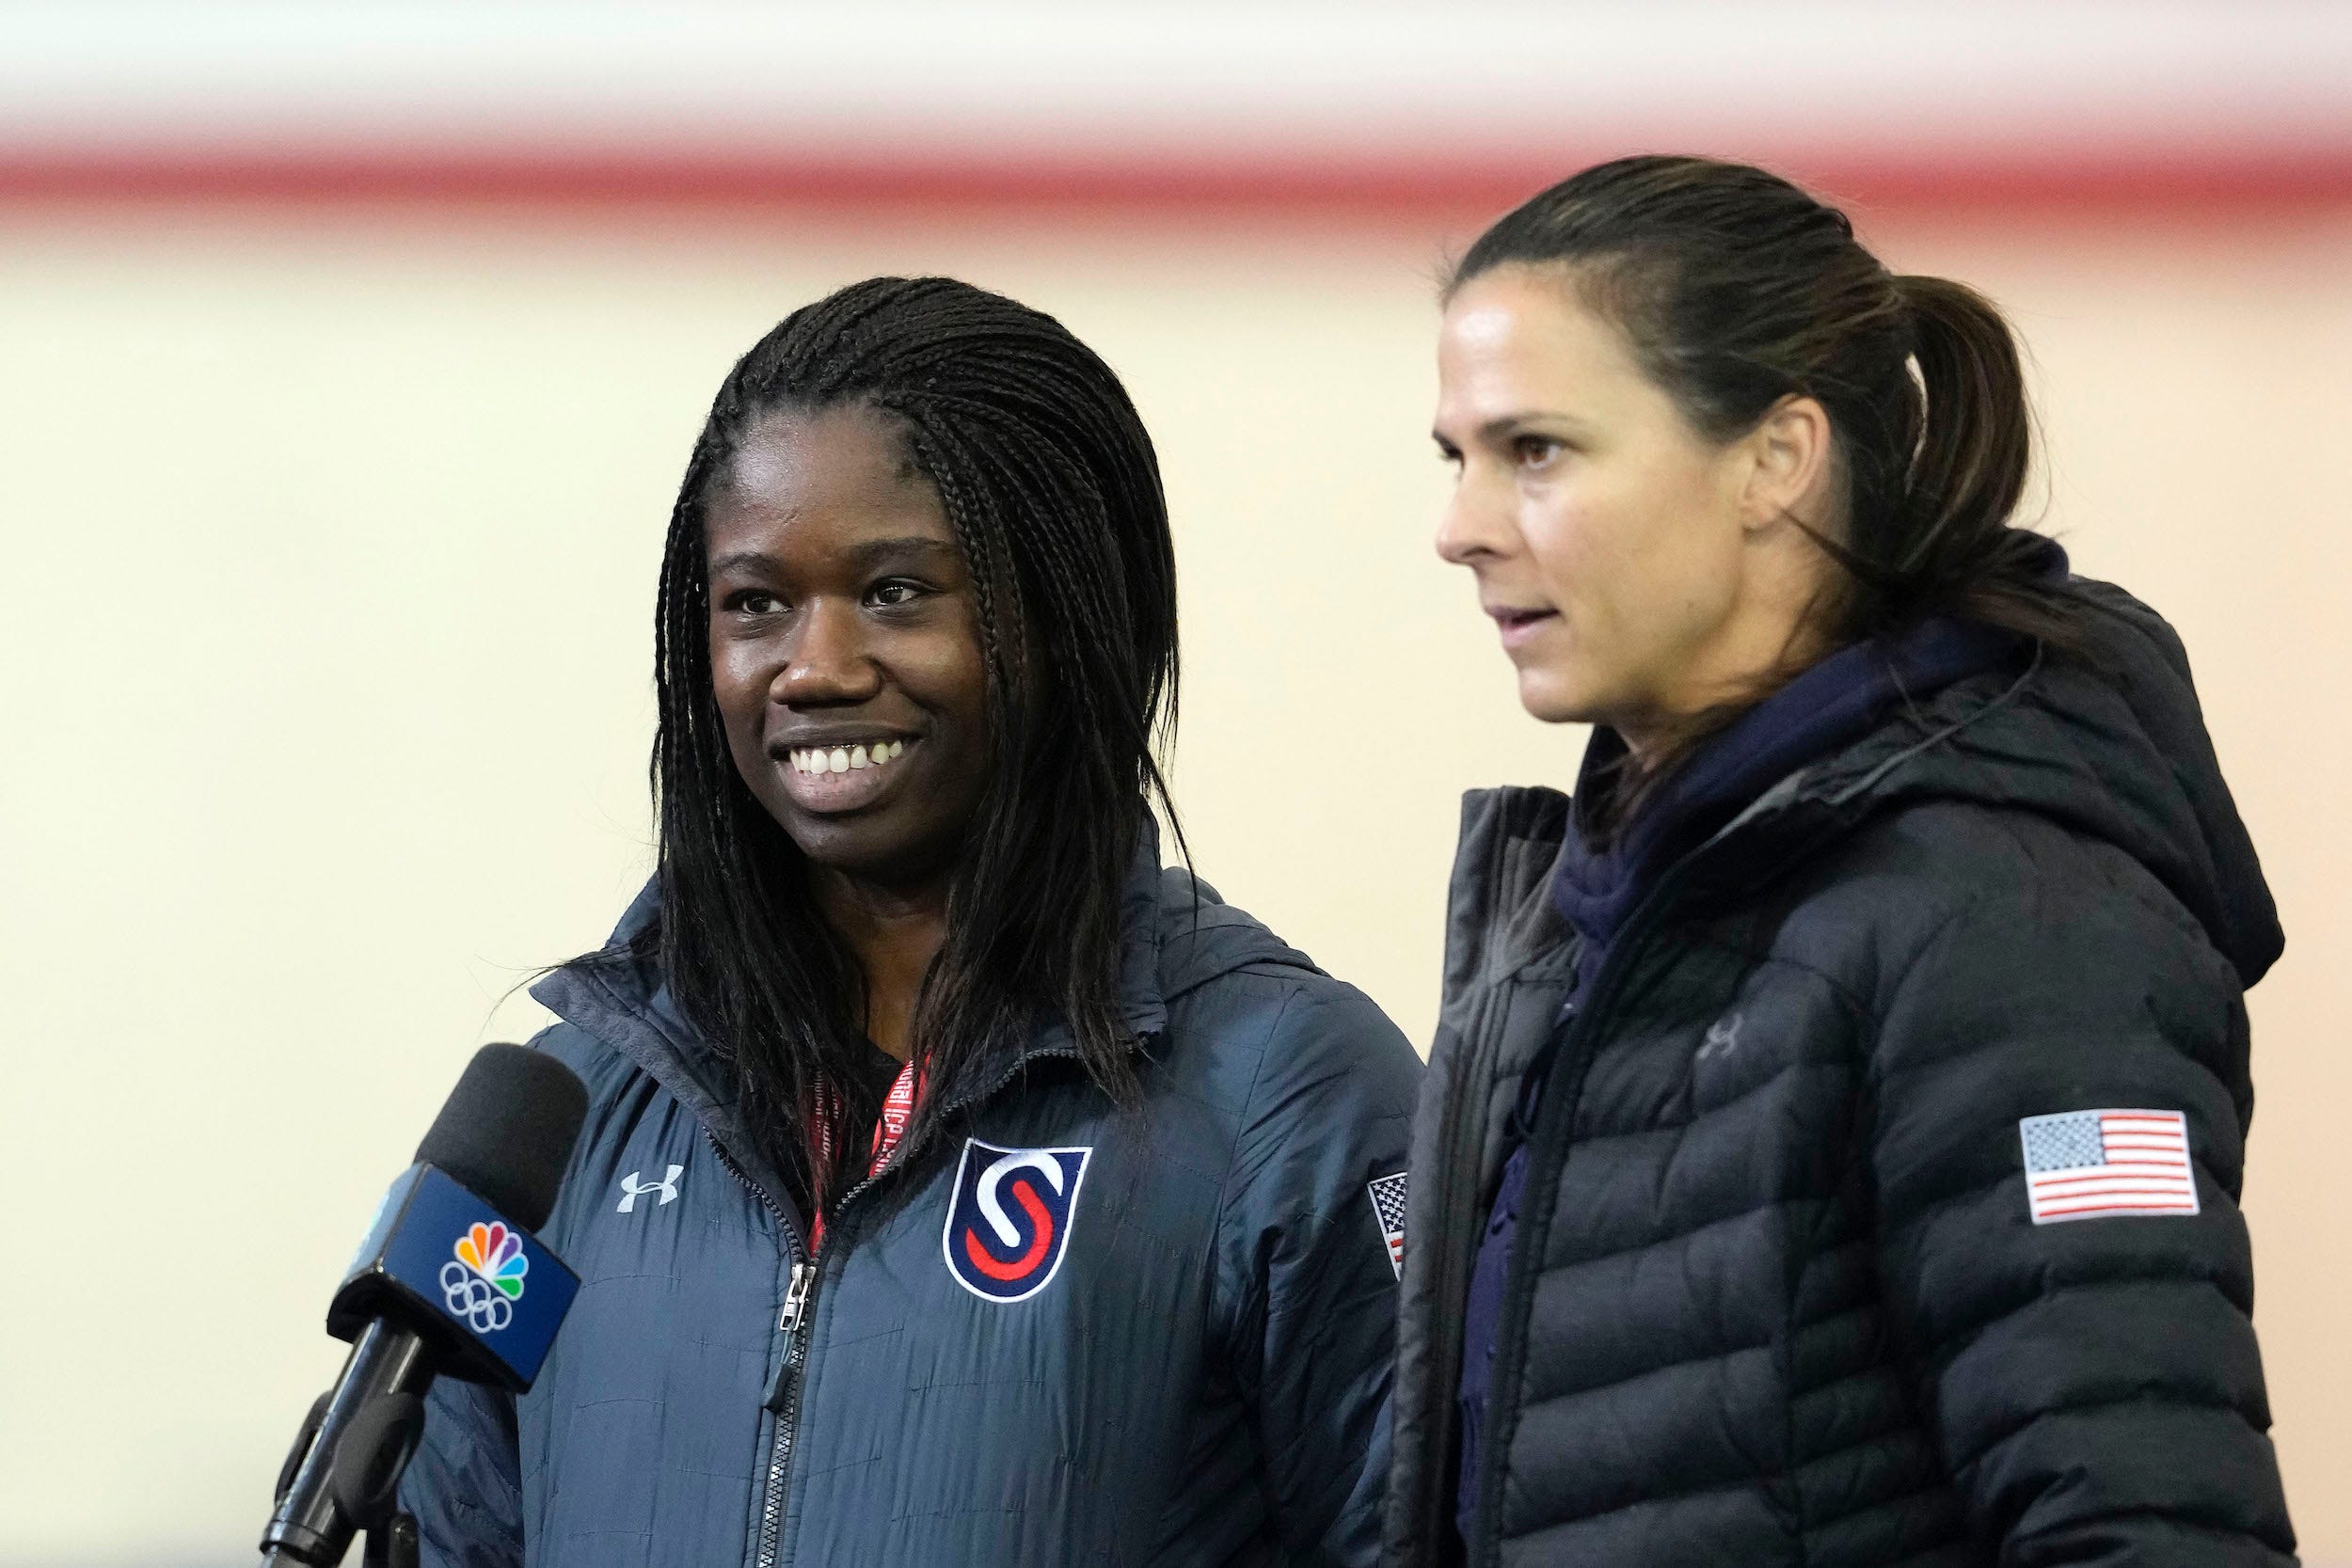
x=507, y=1131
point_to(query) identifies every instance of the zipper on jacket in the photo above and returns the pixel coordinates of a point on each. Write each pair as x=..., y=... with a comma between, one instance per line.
x=782, y=1394
x=784, y=1399
x=788, y=1324
x=1574, y=1058
x=1556, y=1123
x=1457, y=1159
x=783, y=1222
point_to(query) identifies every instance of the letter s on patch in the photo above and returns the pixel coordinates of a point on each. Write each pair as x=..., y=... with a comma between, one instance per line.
x=1009, y=1223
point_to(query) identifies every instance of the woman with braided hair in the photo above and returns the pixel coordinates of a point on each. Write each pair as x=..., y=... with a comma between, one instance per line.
x=958, y=1186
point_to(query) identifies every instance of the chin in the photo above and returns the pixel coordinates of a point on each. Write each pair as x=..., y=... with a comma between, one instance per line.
x=1556, y=697
x=835, y=846
x=874, y=850
x=845, y=844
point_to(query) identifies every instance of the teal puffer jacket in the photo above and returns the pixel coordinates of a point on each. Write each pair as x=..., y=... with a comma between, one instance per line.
x=1060, y=1334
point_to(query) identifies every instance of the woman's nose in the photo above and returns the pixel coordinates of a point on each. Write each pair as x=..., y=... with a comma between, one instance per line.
x=1476, y=523
x=827, y=658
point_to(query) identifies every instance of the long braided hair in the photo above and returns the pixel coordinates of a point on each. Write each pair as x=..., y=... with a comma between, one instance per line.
x=1053, y=490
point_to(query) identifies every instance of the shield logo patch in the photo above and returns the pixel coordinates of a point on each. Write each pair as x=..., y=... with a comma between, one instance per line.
x=1010, y=1222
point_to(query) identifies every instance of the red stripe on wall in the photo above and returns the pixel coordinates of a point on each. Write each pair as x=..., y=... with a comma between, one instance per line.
x=2167, y=182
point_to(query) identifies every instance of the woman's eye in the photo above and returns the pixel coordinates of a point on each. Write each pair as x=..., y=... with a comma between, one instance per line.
x=1536, y=452
x=891, y=594
x=751, y=601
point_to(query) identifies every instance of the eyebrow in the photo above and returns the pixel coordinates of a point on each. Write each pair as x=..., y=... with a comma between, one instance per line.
x=733, y=560
x=875, y=550
x=1504, y=426
x=867, y=554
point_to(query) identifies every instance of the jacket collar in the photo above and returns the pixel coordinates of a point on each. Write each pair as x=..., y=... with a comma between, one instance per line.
x=1824, y=710
x=1516, y=843
x=2108, y=742
x=625, y=1003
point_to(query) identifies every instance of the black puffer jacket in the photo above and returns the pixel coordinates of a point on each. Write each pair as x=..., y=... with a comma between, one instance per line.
x=1776, y=1295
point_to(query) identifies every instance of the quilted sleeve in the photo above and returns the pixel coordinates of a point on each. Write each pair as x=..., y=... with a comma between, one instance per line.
x=1309, y=1266
x=2092, y=1373
x=462, y=1486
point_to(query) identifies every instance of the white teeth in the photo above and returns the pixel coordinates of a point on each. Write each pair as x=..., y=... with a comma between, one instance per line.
x=842, y=759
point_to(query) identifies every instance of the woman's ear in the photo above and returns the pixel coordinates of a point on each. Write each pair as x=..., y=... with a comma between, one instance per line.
x=1791, y=452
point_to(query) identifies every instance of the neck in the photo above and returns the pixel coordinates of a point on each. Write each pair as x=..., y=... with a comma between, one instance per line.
x=894, y=932
x=1772, y=637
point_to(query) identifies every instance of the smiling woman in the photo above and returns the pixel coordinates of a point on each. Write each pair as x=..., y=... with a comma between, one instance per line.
x=1023, y=1197
x=924, y=515
x=843, y=625
x=845, y=630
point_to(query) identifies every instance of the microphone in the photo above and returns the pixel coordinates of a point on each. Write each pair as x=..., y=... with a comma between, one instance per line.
x=450, y=1282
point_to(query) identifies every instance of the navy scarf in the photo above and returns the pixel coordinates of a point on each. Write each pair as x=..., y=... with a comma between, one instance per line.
x=1823, y=710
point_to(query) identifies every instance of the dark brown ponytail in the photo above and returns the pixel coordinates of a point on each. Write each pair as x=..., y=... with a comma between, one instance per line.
x=1959, y=552
x=1737, y=289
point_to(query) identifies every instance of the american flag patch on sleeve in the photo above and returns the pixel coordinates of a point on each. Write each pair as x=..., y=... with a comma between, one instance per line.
x=1388, y=1206
x=2086, y=1164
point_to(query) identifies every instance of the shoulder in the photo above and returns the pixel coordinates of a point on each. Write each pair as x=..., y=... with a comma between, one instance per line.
x=1911, y=868
x=601, y=1068
x=1964, y=928
x=621, y=1093
x=1259, y=1018
x=1918, y=873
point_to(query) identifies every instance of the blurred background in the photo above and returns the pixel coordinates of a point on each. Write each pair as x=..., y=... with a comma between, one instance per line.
x=350, y=355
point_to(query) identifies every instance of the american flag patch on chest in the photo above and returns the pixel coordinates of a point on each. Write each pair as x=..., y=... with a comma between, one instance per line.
x=1388, y=1206
x=2086, y=1164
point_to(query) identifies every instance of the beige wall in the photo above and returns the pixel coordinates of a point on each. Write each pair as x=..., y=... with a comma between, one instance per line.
x=328, y=553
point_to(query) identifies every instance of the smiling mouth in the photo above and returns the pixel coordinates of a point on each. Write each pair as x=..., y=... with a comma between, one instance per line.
x=835, y=780
x=846, y=759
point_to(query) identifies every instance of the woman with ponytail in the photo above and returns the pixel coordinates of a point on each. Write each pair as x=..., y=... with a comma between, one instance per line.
x=1832, y=1147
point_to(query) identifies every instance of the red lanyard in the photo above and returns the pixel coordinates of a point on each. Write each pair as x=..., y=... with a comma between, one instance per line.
x=897, y=1110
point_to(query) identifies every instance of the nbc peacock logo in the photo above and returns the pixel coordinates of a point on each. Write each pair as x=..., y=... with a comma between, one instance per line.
x=486, y=1279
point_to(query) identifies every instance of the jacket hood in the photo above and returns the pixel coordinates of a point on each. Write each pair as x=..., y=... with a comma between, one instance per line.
x=2214, y=867
x=1176, y=935
x=2111, y=743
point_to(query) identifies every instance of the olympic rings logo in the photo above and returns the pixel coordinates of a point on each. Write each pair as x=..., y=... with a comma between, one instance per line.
x=474, y=1299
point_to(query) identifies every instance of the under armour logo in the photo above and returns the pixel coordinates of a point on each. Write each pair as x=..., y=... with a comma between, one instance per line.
x=1722, y=1036
x=633, y=1189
